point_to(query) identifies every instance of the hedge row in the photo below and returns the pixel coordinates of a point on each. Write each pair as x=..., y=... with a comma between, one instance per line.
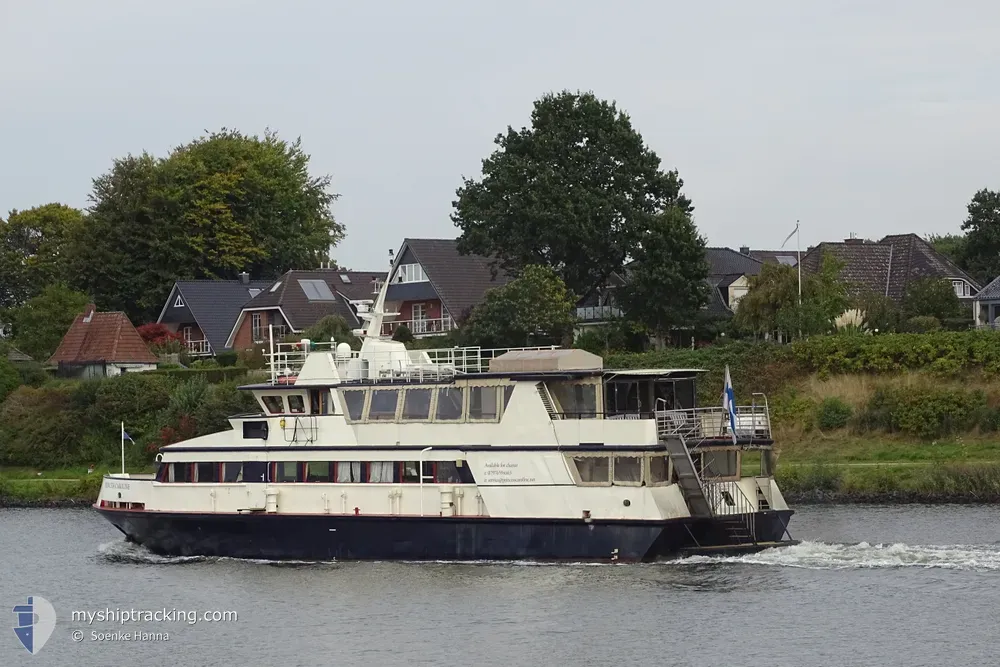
x=212, y=374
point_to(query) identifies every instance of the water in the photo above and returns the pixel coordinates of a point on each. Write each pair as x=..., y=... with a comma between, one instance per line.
x=890, y=586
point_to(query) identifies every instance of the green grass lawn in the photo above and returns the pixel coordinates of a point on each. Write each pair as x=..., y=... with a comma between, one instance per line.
x=72, y=483
x=852, y=449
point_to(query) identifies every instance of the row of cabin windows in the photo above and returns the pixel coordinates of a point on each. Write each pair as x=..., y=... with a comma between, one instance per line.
x=651, y=470
x=448, y=404
x=339, y=472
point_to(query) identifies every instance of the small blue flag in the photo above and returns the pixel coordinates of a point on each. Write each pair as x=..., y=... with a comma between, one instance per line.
x=126, y=436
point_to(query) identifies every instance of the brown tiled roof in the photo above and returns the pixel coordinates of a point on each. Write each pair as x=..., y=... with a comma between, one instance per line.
x=461, y=281
x=300, y=311
x=886, y=266
x=102, y=337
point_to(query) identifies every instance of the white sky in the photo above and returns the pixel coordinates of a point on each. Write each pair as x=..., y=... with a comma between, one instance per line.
x=854, y=116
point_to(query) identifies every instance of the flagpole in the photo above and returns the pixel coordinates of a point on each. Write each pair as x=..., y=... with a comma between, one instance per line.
x=123, y=448
x=798, y=259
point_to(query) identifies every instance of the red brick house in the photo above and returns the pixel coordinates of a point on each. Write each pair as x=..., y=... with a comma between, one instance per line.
x=99, y=344
x=433, y=286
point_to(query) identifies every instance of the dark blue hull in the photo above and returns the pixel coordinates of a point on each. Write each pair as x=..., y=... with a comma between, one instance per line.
x=329, y=537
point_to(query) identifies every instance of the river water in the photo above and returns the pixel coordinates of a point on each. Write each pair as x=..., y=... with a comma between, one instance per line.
x=870, y=585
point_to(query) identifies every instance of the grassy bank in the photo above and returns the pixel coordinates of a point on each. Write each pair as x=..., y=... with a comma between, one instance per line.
x=27, y=487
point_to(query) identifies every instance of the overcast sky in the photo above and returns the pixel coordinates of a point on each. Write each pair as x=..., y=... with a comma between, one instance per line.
x=866, y=117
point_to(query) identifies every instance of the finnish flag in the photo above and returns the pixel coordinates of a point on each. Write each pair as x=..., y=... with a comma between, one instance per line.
x=729, y=404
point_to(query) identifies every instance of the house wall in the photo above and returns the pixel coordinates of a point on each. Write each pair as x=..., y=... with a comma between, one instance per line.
x=178, y=328
x=432, y=309
x=737, y=290
x=118, y=369
x=243, y=340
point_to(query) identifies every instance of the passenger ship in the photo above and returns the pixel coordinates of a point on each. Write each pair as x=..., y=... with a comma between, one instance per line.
x=460, y=454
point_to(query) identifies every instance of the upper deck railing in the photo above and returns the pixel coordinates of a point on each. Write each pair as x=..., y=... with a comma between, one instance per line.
x=287, y=360
x=753, y=422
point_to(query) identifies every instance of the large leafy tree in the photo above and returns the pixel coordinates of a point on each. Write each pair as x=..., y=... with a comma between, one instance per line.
x=220, y=205
x=982, y=238
x=933, y=297
x=772, y=302
x=536, y=308
x=666, y=285
x=576, y=192
x=42, y=321
x=33, y=250
x=951, y=246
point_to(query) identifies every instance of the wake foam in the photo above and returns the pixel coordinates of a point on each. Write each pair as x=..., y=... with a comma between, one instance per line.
x=135, y=554
x=825, y=556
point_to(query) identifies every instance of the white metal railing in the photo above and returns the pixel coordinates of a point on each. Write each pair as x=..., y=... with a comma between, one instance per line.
x=752, y=422
x=198, y=347
x=597, y=313
x=728, y=498
x=287, y=360
x=433, y=325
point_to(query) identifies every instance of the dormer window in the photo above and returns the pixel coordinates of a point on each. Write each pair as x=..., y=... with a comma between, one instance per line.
x=961, y=288
x=178, y=302
x=410, y=273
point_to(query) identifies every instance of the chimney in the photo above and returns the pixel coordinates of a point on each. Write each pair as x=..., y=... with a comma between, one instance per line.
x=244, y=277
x=744, y=250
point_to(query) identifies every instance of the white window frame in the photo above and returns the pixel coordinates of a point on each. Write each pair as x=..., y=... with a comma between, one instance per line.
x=178, y=302
x=186, y=333
x=411, y=273
x=959, y=287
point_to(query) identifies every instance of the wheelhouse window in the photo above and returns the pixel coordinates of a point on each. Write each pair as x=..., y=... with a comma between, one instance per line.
x=450, y=402
x=628, y=470
x=508, y=391
x=206, y=472
x=354, y=402
x=286, y=471
x=296, y=404
x=410, y=473
x=273, y=404
x=577, y=400
x=417, y=404
x=232, y=472
x=483, y=403
x=383, y=405
x=319, y=471
x=593, y=469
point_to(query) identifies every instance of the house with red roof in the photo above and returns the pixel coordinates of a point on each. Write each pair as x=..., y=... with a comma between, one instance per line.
x=101, y=344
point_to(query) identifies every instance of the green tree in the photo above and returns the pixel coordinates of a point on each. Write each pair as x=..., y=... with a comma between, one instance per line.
x=666, y=285
x=575, y=192
x=932, y=297
x=330, y=327
x=536, y=308
x=33, y=250
x=42, y=321
x=772, y=302
x=220, y=205
x=10, y=379
x=951, y=246
x=881, y=313
x=982, y=238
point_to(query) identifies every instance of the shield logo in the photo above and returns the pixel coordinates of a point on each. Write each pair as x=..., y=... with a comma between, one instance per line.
x=35, y=622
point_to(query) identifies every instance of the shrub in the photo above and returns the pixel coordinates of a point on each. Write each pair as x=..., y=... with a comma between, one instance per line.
x=923, y=324
x=32, y=373
x=403, y=334
x=227, y=358
x=157, y=334
x=927, y=412
x=253, y=358
x=833, y=413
